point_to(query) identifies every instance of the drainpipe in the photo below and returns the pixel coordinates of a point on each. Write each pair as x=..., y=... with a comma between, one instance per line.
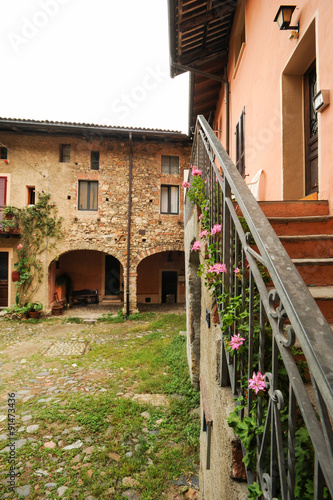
x=129, y=222
x=227, y=115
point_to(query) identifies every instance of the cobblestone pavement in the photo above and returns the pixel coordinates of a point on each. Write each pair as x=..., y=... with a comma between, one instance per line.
x=41, y=363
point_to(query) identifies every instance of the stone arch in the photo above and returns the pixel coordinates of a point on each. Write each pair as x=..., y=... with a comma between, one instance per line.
x=161, y=276
x=138, y=257
x=91, y=269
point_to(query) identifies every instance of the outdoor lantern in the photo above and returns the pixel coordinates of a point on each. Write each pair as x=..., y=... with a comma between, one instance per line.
x=283, y=18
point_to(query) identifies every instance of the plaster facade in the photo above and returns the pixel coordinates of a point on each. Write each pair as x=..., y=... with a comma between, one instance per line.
x=267, y=80
x=33, y=161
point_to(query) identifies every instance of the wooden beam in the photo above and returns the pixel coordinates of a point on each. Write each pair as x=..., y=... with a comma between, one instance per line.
x=196, y=21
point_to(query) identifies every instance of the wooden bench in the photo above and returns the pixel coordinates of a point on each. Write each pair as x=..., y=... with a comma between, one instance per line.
x=85, y=296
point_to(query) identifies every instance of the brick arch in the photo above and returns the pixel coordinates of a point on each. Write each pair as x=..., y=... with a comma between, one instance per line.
x=96, y=247
x=152, y=251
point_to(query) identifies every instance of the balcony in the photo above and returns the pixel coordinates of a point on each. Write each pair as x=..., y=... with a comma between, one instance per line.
x=8, y=226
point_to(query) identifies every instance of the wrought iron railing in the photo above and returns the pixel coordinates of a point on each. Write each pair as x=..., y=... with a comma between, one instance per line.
x=278, y=316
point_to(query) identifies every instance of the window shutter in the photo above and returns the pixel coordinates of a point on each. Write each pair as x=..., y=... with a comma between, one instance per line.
x=3, y=189
x=240, y=144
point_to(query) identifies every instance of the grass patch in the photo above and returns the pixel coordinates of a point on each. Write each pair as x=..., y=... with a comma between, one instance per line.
x=95, y=408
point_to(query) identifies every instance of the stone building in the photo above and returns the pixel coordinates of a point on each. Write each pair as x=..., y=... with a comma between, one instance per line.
x=119, y=192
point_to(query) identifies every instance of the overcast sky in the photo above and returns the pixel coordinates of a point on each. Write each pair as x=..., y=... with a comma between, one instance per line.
x=90, y=61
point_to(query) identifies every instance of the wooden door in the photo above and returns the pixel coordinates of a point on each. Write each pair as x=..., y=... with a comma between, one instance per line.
x=311, y=131
x=3, y=279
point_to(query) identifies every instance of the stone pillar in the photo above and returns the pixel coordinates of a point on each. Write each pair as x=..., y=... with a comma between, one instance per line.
x=133, y=275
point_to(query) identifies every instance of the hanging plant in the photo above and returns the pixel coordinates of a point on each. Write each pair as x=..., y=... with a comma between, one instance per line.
x=40, y=229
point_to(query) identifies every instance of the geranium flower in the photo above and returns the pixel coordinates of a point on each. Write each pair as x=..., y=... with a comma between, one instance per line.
x=20, y=246
x=215, y=229
x=217, y=268
x=196, y=246
x=196, y=171
x=200, y=216
x=257, y=382
x=236, y=341
x=186, y=184
x=204, y=233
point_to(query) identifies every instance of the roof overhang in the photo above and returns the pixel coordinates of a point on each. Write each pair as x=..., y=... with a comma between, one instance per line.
x=90, y=131
x=199, y=35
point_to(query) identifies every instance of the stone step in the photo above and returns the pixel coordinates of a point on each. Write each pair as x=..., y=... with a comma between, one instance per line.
x=317, y=272
x=312, y=225
x=323, y=295
x=298, y=208
x=308, y=246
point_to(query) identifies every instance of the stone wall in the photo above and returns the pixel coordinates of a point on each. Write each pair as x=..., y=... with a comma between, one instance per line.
x=204, y=354
x=33, y=160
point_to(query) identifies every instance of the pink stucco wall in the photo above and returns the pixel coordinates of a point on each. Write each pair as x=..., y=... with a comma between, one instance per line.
x=257, y=85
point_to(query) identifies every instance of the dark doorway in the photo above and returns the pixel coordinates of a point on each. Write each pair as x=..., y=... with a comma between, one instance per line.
x=3, y=279
x=112, y=275
x=169, y=286
x=311, y=131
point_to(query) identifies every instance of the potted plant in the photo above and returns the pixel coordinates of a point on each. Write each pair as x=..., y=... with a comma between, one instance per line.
x=66, y=280
x=34, y=309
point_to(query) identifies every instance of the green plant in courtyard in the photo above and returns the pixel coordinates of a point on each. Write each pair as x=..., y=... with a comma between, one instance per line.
x=40, y=228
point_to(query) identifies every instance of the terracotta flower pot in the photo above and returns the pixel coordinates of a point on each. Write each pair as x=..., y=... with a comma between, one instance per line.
x=34, y=314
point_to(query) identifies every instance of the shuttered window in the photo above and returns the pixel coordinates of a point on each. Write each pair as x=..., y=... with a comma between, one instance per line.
x=169, y=199
x=3, y=189
x=170, y=164
x=88, y=195
x=94, y=165
x=65, y=153
x=240, y=144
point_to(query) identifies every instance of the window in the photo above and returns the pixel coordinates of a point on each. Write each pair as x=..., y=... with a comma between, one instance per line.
x=3, y=190
x=31, y=195
x=240, y=144
x=94, y=165
x=170, y=164
x=3, y=153
x=88, y=195
x=169, y=199
x=65, y=153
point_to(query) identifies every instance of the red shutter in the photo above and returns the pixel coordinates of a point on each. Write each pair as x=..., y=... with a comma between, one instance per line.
x=3, y=189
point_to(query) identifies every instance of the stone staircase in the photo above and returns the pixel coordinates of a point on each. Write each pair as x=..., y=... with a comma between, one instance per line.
x=305, y=228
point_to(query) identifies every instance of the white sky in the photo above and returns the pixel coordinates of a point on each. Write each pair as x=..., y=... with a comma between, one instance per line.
x=90, y=61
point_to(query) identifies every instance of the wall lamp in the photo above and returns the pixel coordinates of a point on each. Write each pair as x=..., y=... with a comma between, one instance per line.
x=283, y=18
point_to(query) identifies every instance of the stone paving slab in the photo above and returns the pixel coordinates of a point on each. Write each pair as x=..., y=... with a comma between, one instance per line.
x=69, y=348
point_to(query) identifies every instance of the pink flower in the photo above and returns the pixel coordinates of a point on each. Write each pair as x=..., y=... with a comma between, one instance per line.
x=257, y=382
x=19, y=247
x=216, y=229
x=196, y=171
x=204, y=233
x=217, y=268
x=236, y=341
x=196, y=246
x=200, y=216
x=185, y=184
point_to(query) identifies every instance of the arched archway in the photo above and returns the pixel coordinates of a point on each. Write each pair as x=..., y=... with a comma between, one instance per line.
x=161, y=278
x=89, y=270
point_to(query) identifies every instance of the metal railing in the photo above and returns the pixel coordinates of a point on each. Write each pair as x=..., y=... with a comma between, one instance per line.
x=278, y=314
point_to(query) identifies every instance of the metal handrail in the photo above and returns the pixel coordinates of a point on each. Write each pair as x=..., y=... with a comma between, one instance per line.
x=296, y=306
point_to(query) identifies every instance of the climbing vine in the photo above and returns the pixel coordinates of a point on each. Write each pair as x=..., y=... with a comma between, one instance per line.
x=40, y=229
